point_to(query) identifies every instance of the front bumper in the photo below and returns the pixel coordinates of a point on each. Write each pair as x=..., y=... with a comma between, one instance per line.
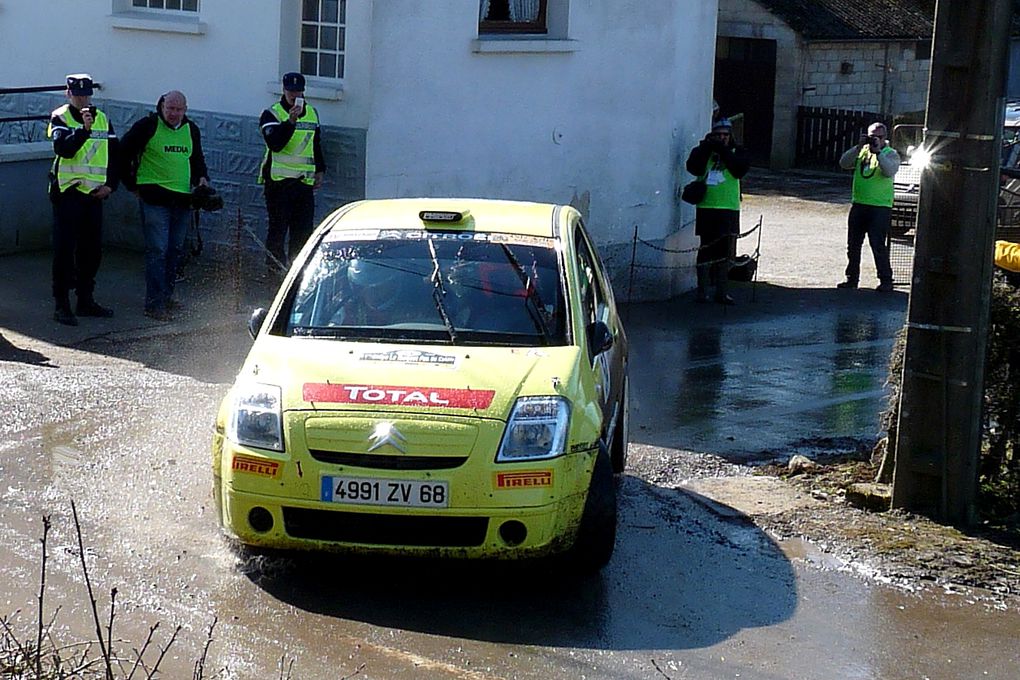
x=482, y=520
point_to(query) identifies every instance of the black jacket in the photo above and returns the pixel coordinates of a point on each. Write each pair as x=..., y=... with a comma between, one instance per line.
x=277, y=134
x=131, y=148
x=734, y=158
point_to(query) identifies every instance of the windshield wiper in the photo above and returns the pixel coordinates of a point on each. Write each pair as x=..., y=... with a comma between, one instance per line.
x=439, y=291
x=532, y=300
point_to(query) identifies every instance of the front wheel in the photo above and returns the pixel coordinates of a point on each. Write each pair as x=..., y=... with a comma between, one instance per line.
x=596, y=536
x=621, y=433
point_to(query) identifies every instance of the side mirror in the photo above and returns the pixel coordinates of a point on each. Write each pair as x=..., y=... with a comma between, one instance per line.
x=600, y=338
x=258, y=317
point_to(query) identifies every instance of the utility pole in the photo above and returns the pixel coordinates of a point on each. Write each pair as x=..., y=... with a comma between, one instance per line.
x=939, y=434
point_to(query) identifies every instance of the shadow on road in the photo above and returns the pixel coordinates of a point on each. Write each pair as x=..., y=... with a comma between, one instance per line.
x=207, y=340
x=681, y=578
x=10, y=352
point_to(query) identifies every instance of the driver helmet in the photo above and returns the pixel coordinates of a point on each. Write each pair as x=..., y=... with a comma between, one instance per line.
x=373, y=283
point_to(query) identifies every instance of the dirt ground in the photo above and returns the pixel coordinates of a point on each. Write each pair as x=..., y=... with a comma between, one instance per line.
x=907, y=550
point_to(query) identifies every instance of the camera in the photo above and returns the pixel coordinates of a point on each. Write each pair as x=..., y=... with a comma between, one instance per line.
x=205, y=198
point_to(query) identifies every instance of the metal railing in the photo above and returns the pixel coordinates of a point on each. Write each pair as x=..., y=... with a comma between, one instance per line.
x=32, y=90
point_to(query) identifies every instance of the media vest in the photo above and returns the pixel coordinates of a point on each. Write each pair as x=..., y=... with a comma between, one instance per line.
x=296, y=160
x=871, y=187
x=88, y=166
x=166, y=159
x=722, y=190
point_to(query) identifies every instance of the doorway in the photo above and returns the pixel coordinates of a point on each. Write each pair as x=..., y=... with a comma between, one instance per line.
x=745, y=83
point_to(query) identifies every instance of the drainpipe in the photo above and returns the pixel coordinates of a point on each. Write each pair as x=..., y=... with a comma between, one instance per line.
x=885, y=82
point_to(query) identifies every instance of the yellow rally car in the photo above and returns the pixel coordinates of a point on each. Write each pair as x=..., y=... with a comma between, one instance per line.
x=442, y=377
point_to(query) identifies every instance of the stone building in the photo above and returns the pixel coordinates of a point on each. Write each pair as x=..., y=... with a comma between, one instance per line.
x=774, y=56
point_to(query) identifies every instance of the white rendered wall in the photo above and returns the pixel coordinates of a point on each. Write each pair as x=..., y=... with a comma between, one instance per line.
x=243, y=48
x=603, y=119
x=606, y=122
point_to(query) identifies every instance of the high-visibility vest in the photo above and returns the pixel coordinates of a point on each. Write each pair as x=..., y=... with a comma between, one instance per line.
x=166, y=159
x=722, y=189
x=296, y=160
x=871, y=186
x=88, y=166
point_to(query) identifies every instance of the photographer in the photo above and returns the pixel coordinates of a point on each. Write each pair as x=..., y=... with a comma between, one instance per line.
x=163, y=162
x=720, y=164
x=874, y=163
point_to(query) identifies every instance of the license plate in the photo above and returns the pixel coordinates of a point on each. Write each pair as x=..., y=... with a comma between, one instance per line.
x=392, y=492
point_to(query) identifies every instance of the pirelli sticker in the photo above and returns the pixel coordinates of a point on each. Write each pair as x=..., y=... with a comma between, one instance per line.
x=255, y=466
x=528, y=479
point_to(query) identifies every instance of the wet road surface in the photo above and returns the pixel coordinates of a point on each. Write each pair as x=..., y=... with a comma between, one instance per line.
x=120, y=422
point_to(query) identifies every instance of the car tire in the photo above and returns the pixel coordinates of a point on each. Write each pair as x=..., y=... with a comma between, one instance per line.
x=621, y=434
x=596, y=535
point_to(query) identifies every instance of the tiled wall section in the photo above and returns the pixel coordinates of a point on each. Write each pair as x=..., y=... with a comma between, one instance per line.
x=233, y=150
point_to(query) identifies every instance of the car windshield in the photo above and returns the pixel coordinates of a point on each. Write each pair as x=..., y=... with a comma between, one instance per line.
x=464, y=288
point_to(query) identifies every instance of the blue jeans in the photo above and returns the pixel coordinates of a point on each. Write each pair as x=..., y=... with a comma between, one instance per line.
x=165, y=229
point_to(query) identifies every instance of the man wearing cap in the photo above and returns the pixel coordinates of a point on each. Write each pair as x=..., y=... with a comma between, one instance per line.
x=874, y=163
x=83, y=175
x=163, y=161
x=292, y=169
x=720, y=163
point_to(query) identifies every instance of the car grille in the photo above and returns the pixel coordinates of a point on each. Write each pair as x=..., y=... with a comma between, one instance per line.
x=382, y=462
x=356, y=527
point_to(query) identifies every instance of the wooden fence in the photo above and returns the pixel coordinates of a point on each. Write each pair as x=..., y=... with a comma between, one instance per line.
x=824, y=134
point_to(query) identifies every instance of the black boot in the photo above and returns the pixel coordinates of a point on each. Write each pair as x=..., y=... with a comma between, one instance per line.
x=722, y=277
x=62, y=313
x=701, y=294
x=89, y=307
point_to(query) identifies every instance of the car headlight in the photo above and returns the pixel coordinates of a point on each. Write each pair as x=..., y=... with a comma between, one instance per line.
x=537, y=429
x=257, y=417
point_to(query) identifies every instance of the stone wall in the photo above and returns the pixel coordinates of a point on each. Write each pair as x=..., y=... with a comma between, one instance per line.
x=880, y=77
x=233, y=151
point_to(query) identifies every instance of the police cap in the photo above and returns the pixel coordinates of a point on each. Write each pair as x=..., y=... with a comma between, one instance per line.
x=79, y=84
x=293, y=82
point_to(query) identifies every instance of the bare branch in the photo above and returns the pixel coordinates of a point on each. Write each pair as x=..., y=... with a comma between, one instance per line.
x=200, y=664
x=42, y=592
x=109, y=626
x=92, y=598
x=138, y=655
x=162, y=653
x=357, y=671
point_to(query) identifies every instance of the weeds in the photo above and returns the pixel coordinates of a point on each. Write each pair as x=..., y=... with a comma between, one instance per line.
x=999, y=465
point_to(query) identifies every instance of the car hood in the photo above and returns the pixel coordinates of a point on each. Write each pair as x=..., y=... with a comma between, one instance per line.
x=330, y=375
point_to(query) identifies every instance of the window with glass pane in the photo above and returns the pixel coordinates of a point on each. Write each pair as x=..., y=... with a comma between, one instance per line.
x=512, y=16
x=323, y=29
x=169, y=5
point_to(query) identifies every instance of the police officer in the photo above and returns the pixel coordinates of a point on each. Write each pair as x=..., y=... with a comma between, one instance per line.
x=874, y=163
x=83, y=175
x=163, y=161
x=292, y=169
